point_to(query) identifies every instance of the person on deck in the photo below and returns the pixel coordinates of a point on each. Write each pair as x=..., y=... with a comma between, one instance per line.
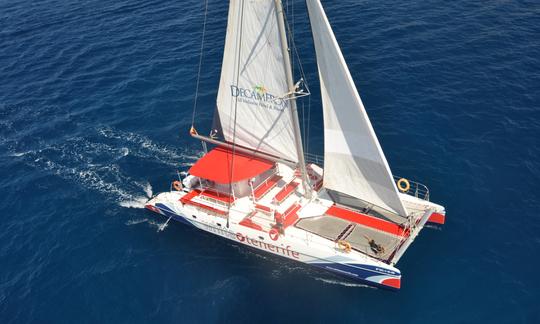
x=375, y=248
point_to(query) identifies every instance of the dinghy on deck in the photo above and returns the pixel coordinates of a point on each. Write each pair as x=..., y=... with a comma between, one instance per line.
x=346, y=213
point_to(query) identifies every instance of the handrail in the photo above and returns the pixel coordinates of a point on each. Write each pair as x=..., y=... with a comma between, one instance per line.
x=415, y=189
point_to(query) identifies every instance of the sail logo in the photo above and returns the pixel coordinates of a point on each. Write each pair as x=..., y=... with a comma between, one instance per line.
x=260, y=89
x=258, y=96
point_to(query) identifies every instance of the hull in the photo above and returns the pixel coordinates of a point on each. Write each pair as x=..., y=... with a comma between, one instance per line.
x=298, y=246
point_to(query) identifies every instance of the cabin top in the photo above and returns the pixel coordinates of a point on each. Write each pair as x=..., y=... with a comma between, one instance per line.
x=223, y=166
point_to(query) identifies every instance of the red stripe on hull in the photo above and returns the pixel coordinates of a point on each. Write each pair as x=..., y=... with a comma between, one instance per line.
x=437, y=218
x=392, y=282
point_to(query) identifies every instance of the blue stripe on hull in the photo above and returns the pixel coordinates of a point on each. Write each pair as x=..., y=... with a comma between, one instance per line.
x=169, y=213
x=352, y=272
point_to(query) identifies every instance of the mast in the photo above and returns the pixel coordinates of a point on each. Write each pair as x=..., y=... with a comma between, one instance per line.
x=294, y=111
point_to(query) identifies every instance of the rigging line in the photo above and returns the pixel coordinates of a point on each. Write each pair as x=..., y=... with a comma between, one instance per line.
x=292, y=29
x=295, y=50
x=303, y=76
x=235, y=107
x=200, y=63
x=306, y=84
x=309, y=124
x=289, y=9
x=293, y=63
x=291, y=41
x=304, y=124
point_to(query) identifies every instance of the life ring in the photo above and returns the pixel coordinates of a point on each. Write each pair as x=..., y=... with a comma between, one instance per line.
x=177, y=185
x=403, y=185
x=274, y=234
x=344, y=245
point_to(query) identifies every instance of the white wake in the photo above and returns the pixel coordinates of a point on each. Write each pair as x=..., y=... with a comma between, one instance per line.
x=343, y=283
x=94, y=162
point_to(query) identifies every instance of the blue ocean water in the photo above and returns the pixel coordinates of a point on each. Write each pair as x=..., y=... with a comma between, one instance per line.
x=95, y=106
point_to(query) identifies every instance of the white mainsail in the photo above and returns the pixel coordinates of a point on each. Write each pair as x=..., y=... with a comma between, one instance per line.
x=250, y=103
x=354, y=163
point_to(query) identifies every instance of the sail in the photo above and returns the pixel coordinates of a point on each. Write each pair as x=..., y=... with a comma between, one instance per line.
x=354, y=163
x=251, y=107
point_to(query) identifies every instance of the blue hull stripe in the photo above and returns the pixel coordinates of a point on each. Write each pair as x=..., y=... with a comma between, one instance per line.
x=169, y=213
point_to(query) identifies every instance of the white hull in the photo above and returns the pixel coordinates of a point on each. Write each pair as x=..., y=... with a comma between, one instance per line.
x=297, y=245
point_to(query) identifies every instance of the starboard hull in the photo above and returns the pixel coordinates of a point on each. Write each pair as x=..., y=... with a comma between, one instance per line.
x=366, y=271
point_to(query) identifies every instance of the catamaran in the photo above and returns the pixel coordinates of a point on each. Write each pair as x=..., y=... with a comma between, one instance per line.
x=345, y=212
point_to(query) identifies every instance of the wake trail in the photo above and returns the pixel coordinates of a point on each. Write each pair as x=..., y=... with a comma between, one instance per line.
x=142, y=146
x=343, y=283
x=94, y=163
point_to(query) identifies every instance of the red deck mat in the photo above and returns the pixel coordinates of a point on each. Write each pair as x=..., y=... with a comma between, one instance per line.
x=289, y=217
x=286, y=191
x=212, y=209
x=367, y=221
x=266, y=186
x=190, y=195
x=263, y=208
x=437, y=218
x=247, y=222
x=217, y=196
x=187, y=199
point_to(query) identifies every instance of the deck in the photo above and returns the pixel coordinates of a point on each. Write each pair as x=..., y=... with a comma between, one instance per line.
x=365, y=233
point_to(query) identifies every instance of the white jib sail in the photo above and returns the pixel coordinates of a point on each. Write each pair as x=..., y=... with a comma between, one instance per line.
x=250, y=102
x=354, y=163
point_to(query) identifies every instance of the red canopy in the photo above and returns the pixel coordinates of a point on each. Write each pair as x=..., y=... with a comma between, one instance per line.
x=219, y=165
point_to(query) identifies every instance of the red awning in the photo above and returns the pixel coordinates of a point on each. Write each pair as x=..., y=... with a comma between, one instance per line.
x=218, y=165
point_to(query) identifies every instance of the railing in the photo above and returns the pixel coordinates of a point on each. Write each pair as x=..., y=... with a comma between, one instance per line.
x=415, y=189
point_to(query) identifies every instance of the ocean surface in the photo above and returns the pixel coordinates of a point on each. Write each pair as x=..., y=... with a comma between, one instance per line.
x=96, y=100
